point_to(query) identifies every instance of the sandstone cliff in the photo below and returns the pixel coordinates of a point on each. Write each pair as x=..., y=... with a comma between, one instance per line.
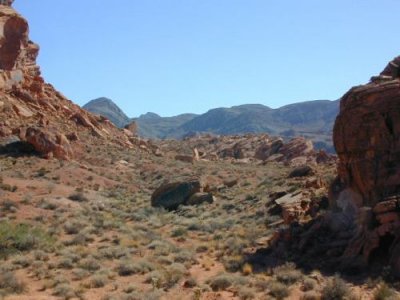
x=361, y=229
x=367, y=140
x=31, y=109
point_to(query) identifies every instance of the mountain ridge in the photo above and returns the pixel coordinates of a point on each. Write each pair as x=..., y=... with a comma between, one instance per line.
x=312, y=119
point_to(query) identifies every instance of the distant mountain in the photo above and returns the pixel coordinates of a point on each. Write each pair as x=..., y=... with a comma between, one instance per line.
x=107, y=108
x=312, y=119
x=153, y=126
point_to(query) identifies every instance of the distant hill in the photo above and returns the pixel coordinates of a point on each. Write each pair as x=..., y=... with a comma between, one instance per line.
x=312, y=119
x=153, y=126
x=107, y=108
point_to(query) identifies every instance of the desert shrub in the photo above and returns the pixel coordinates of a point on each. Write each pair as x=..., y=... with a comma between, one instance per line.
x=335, y=289
x=310, y=295
x=130, y=289
x=202, y=249
x=64, y=291
x=278, y=289
x=161, y=248
x=48, y=205
x=309, y=284
x=221, y=282
x=234, y=246
x=79, y=239
x=168, y=277
x=41, y=172
x=190, y=283
x=22, y=260
x=246, y=293
x=287, y=274
x=10, y=284
x=65, y=263
x=40, y=255
x=261, y=285
x=98, y=281
x=178, y=232
x=22, y=237
x=8, y=205
x=79, y=274
x=233, y=263
x=185, y=256
x=78, y=197
x=113, y=252
x=90, y=264
x=72, y=227
x=130, y=268
x=8, y=188
x=384, y=292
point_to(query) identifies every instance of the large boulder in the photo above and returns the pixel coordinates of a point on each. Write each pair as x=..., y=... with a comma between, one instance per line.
x=49, y=144
x=269, y=148
x=171, y=195
x=296, y=147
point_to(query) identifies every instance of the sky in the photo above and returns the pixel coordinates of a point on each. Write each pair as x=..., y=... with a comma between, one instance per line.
x=180, y=56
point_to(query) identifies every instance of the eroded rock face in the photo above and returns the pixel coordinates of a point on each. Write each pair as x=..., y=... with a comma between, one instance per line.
x=362, y=227
x=26, y=101
x=367, y=140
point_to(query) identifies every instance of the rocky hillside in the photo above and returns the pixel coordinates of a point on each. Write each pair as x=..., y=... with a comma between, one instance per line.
x=31, y=111
x=312, y=119
x=107, y=108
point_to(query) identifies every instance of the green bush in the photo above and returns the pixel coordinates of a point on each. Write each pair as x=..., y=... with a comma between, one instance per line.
x=22, y=237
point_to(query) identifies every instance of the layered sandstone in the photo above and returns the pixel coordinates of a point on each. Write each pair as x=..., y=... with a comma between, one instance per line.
x=367, y=140
x=33, y=110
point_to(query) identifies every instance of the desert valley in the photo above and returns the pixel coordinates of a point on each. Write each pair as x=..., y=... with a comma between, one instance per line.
x=90, y=210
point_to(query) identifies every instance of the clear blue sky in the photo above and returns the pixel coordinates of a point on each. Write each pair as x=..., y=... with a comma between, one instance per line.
x=176, y=56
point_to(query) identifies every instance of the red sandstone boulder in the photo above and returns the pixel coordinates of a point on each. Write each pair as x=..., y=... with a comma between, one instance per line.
x=297, y=147
x=267, y=149
x=49, y=144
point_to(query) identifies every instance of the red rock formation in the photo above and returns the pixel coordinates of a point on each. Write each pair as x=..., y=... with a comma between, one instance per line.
x=367, y=140
x=26, y=101
x=363, y=224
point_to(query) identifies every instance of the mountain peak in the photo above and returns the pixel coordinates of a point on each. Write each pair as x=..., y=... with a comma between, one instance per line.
x=107, y=108
x=149, y=115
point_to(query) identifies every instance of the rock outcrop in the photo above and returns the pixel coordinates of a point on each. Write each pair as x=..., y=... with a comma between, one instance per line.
x=33, y=110
x=362, y=227
x=367, y=140
x=248, y=148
